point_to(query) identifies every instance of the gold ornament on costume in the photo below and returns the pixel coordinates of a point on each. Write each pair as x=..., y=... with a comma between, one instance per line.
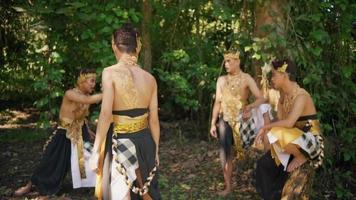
x=231, y=55
x=230, y=97
x=74, y=129
x=83, y=77
x=127, y=59
x=283, y=68
x=139, y=45
x=130, y=96
x=287, y=101
x=231, y=105
x=266, y=69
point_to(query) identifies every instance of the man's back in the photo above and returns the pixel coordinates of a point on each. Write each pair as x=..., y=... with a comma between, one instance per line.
x=132, y=86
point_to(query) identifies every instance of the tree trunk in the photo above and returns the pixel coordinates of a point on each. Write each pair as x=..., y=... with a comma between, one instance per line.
x=269, y=12
x=146, y=36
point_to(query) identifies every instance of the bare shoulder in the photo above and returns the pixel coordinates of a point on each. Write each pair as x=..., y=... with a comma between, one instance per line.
x=302, y=93
x=222, y=79
x=108, y=69
x=247, y=76
x=148, y=76
x=302, y=98
x=68, y=92
x=107, y=72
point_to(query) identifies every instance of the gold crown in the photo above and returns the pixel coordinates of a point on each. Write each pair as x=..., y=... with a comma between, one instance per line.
x=231, y=55
x=283, y=68
x=84, y=77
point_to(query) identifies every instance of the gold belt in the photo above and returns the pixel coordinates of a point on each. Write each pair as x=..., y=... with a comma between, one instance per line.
x=130, y=127
x=74, y=133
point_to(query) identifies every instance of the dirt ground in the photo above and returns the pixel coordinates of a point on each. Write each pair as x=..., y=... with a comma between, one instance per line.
x=189, y=168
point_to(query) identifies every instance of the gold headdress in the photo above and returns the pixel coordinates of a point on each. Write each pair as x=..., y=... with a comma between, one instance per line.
x=232, y=55
x=139, y=45
x=84, y=77
x=283, y=68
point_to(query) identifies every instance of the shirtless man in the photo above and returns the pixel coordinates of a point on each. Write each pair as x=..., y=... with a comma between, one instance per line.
x=232, y=92
x=130, y=101
x=294, y=141
x=69, y=145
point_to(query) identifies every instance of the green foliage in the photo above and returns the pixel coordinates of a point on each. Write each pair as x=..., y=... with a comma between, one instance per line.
x=45, y=43
x=184, y=80
x=64, y=37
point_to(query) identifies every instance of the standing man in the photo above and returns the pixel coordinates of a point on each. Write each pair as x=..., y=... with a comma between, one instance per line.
x=232, y=92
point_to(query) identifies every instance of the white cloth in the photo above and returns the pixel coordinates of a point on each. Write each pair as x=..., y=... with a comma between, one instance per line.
x=118, y=186
x=257, y=114
x=309, y=139
x=90, y=179
x=282, y=156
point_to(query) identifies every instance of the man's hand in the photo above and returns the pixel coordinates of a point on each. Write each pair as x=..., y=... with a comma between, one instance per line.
x=94, y=161
x=246, y=114
x=259, y=138
x=91, y=135
x=213, y=131
x=157, y=159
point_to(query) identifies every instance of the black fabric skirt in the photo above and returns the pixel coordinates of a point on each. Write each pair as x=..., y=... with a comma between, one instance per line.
x=55, y=162
x=145, y=151
x=226, y=139
x=270, y=178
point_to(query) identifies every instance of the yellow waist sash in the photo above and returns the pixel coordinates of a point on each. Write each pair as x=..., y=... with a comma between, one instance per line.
x=125, y=124
x=288, y=135
x=74, y=133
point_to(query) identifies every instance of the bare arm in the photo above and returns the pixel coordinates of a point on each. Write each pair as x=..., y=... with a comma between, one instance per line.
x=217, y=102
x=80, y=98
x=259, y=99
x=280, y=108
x=105, y=116
x=216, y=107
x=289, y=122
x=153, y=116
x=297, y=110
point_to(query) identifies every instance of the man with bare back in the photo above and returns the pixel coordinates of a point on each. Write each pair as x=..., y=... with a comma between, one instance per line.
x=126, y=157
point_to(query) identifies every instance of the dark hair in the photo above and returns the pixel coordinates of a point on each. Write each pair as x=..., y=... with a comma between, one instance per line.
x=86, y=70
x=125, y=38
x=291, y=69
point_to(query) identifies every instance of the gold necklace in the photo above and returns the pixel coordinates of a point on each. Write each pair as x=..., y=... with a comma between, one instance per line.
x=288, y=99
x=234, y=82
x=128, y=60
x=79, y=91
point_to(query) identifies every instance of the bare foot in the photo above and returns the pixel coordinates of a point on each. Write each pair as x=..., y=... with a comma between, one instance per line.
x=296, y=162
x=146, y=197
x=225, y=192
x=23, y=190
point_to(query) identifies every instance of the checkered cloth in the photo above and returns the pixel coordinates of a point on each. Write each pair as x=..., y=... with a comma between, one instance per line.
x=247, y=131
x=126, y=153
x=88, y=146
x=311, y=144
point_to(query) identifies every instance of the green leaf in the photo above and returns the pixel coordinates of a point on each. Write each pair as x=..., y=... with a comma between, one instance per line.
x=320, y=35
x=19, y=9
x=247, y=48
x=256, y=56
x=347, y=156
x=76, y=4
x=347, y=71
x=316, y=51
x=65, y=11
